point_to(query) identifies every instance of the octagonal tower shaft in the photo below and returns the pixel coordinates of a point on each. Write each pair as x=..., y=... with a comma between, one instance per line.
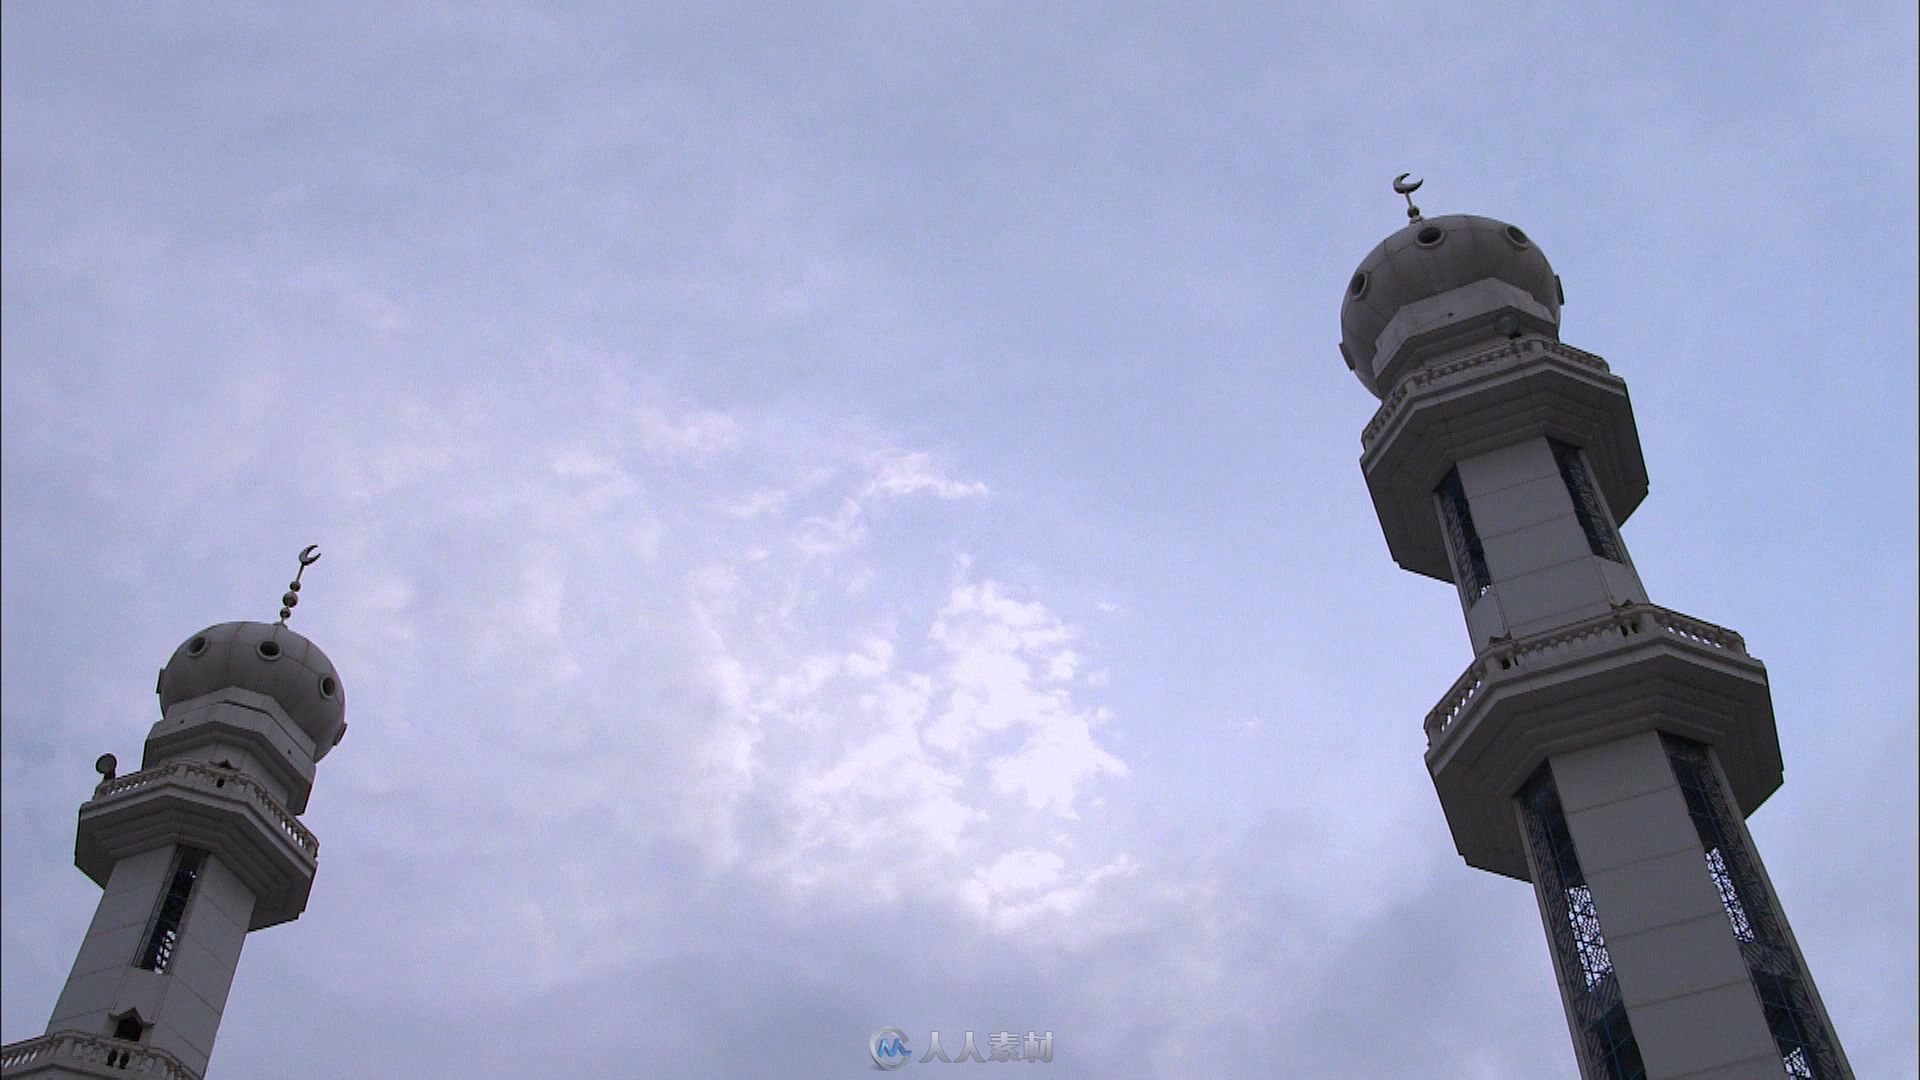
x=192, y=852
x=1600, y=746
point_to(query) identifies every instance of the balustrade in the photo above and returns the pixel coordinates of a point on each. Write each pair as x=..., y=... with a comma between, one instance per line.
x=1562, y=643
x=200, y=775
x=80, y=1048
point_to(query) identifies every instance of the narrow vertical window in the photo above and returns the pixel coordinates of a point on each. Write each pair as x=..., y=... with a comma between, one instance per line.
x=1601, y=539
x=1799, y=1033
x=1580, y=954
x=1469, y=558
x=163, y=931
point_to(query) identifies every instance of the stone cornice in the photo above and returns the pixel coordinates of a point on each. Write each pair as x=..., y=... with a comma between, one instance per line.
x=1451, y=370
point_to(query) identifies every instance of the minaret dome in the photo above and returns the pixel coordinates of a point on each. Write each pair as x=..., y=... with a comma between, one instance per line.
x=266, y=658
x=1440, y=286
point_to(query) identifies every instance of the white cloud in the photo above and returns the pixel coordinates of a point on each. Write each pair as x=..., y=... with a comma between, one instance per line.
x=1011, y=669
x=579, y=462
x=899, y=472
x=887, y=724
x=851, y=724
x=1028, y=886
x=691, y=434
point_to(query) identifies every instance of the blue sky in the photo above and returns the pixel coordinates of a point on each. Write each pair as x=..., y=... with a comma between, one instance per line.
x=849, y=518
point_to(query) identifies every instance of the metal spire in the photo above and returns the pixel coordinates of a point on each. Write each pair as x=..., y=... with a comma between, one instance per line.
x=308, y=556
x=1401, y=186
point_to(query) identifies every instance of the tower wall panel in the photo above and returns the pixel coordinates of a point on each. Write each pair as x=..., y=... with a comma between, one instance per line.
x=1631, y=830
x=1661, y=891
x=1681, y=958
x=1552, y=597
x=1554, y=542
x=1530, y=502
x=1610, y=772
x=1497, y=470
x=1711, y=1029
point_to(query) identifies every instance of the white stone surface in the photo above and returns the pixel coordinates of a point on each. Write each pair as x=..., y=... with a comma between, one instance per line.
x=1517, y=506
x=231, y=654
x=1632, y=830
x=1400, y=270
x=1622, y=580
x=1626, y=672
x=245, y=727
x=1765, y=1067
x=1554, y=542
x=1496, y=396
x=1612, y=771
x=184, y=1003
x=1655, y=892
x=196, y=967
x=1453, y=323
x=1666, y=928
x=1711, y=1029
x=128, y=906
x=1485, y=620
x=186, y=1026
x=220, y=888
x=1530, y=459
x=1554, y=596
x=1680, y=958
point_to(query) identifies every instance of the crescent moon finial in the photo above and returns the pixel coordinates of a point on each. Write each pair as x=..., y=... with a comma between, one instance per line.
x=308, y=556
x=1401, y=187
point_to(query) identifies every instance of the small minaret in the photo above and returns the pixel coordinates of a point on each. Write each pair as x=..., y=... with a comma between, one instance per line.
x=1600, y=746
x=199, y=847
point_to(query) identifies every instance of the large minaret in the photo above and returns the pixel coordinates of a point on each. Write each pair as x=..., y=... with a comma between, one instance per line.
x=1600, y=746
x=199, y=847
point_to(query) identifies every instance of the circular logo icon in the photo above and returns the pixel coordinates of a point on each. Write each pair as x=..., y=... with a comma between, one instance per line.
x=889, y=1048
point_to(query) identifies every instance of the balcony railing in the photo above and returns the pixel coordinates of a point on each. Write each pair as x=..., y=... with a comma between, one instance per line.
x=1444, y=372
x=204, y=776
x=1564, y=643
x=92, y=1055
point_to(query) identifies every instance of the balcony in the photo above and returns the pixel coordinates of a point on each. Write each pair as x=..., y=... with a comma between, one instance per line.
x=1637, y=668
x=211, y=778
x=214, y=807
x=1599, y=634
x=1445, y=413
x=69, y=1053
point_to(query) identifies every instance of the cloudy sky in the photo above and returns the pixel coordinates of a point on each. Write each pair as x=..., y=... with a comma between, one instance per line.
x=849, y=517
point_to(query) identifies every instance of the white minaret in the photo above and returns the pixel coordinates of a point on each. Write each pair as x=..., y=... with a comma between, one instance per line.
x=1600, y=746
x=195, y=850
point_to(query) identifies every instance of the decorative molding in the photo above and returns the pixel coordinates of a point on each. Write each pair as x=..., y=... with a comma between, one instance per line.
x=1567, y=642
x=90, y=1055
x=1449, y=370
x=192, y=771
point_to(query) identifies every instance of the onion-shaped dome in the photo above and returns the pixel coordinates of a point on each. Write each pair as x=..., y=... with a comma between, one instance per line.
x=1430, y=257
x=266, y=658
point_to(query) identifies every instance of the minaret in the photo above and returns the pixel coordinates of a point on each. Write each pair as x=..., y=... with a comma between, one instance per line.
x=1600, y=746
x=199, y=847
